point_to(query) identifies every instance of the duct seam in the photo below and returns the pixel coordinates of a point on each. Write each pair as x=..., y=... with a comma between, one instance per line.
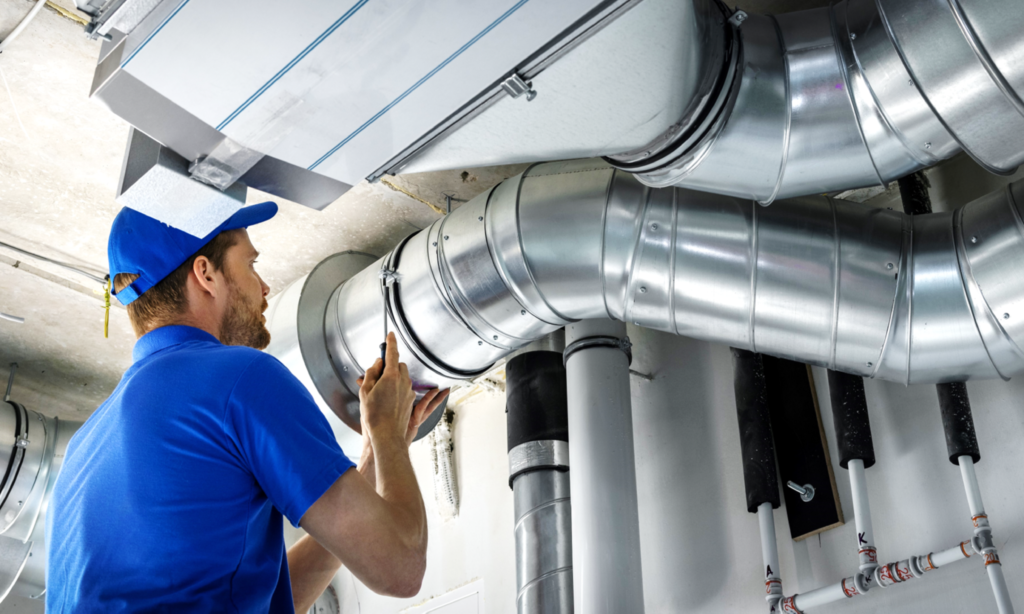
x=910, y=71
x=541, y=578
x=753, y=276
x=986, y=60
x=788, y=126
x=672, y=263
x=843, y=43
x=967, y=277
x=836, y=277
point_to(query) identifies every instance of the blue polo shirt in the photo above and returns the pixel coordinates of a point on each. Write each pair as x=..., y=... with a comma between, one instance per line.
x=172, y=493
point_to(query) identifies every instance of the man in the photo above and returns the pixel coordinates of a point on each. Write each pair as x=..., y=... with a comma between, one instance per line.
x=172, y=494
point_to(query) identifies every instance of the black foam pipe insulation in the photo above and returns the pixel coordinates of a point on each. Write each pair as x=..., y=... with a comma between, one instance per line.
x=535, y=398
x=850, y=418
x=957, y=422
x=760, y=475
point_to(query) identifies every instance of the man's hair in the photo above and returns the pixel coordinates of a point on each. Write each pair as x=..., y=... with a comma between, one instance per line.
x=167, y=299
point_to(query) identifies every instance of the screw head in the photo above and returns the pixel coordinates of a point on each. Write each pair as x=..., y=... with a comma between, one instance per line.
x=446, y=237
x=480, y=219
x=479, y=342
x=495, y=337
x=435, y=244
x=654, y=226
x=853, y=36
x=870, y=364
x=974, y=239
x=928, y=145
x=522, y=312
x=643, y=289
x=889, y=266
x=1006, y=316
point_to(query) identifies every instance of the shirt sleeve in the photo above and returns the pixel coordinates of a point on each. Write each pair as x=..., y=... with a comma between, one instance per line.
x=283, y=437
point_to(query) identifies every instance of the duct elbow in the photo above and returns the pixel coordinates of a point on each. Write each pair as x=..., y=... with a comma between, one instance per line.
x=852, y=95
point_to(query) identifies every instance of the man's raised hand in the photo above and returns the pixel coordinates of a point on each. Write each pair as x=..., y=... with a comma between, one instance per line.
x=386, y=398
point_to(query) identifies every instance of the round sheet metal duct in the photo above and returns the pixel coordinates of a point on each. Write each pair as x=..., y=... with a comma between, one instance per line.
x=34, y=455
x=858, y=93
x=872, y=292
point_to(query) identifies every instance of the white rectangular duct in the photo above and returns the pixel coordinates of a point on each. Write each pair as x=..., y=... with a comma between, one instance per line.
x=335, y=88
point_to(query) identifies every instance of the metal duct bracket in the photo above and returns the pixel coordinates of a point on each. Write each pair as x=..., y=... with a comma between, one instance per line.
x=516, y=86
x=155, y=181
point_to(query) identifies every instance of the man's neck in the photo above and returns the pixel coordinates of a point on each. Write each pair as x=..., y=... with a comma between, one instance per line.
x=203, y=324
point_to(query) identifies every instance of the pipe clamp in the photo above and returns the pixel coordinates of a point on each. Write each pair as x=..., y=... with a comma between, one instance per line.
x=623, y=344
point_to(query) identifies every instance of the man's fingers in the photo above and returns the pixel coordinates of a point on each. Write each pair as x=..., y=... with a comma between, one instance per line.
x=423, y=408
x=392, y=352
x=436, y=401
x=371, y=376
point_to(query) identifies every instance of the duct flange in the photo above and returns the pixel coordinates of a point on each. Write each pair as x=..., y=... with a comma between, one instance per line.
x=317, y=354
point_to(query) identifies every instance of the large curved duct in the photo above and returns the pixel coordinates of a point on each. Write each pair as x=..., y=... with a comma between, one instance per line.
x=873, y=292
x=859, y=93
x=33, y=446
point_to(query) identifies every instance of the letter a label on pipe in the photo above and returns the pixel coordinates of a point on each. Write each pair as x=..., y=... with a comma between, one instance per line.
x=768, y=573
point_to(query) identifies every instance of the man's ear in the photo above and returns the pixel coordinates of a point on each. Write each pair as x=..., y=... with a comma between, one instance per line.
x=203, y=273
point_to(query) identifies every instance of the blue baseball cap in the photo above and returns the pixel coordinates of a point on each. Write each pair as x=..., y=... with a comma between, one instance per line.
x=147, y=247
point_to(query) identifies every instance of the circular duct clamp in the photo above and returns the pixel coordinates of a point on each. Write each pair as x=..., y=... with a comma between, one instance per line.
x=535, y=455
x=623, y=344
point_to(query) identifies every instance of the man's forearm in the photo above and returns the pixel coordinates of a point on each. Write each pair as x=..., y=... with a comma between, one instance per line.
x=368, y=467
x=310, y=569
x=396, y=483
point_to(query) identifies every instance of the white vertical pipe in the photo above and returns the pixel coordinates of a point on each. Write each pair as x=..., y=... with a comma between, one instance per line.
x=769, y=553
x=607, y=577
x=971, y=487
x=983, y=529
x=862, y=515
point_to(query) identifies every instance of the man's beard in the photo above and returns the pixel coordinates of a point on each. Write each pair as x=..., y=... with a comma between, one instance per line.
x=243, y=322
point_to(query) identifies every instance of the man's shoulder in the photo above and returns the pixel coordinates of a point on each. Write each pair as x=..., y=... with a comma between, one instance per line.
x=226, y=363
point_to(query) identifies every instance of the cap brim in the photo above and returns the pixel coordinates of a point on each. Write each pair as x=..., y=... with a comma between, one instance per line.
x=250, y=216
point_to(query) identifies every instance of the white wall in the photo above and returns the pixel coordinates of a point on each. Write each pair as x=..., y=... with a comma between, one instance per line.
x=701, y=549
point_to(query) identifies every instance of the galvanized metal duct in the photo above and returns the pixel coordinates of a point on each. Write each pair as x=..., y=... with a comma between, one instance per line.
x=858, y=93
x=33, y=446
x=872, y=292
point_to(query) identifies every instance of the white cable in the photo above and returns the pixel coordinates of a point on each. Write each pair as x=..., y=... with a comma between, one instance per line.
x=24, y=23
x=442, y=452
x=10, y=318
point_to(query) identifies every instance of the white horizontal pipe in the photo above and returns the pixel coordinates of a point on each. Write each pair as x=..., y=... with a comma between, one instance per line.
x=820, y=596
x=954, y=554
x=10, y=318
x=867, y=554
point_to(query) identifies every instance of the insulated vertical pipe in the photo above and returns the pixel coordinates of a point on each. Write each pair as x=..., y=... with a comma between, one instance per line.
x=538, y=435
x=756, y=443
x=957, y=422
x=607, y=577
x=850, y=417
x=862, y=517
x=983, y=536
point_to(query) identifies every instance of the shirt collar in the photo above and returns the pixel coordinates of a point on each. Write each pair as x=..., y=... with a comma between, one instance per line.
x=167, y=336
